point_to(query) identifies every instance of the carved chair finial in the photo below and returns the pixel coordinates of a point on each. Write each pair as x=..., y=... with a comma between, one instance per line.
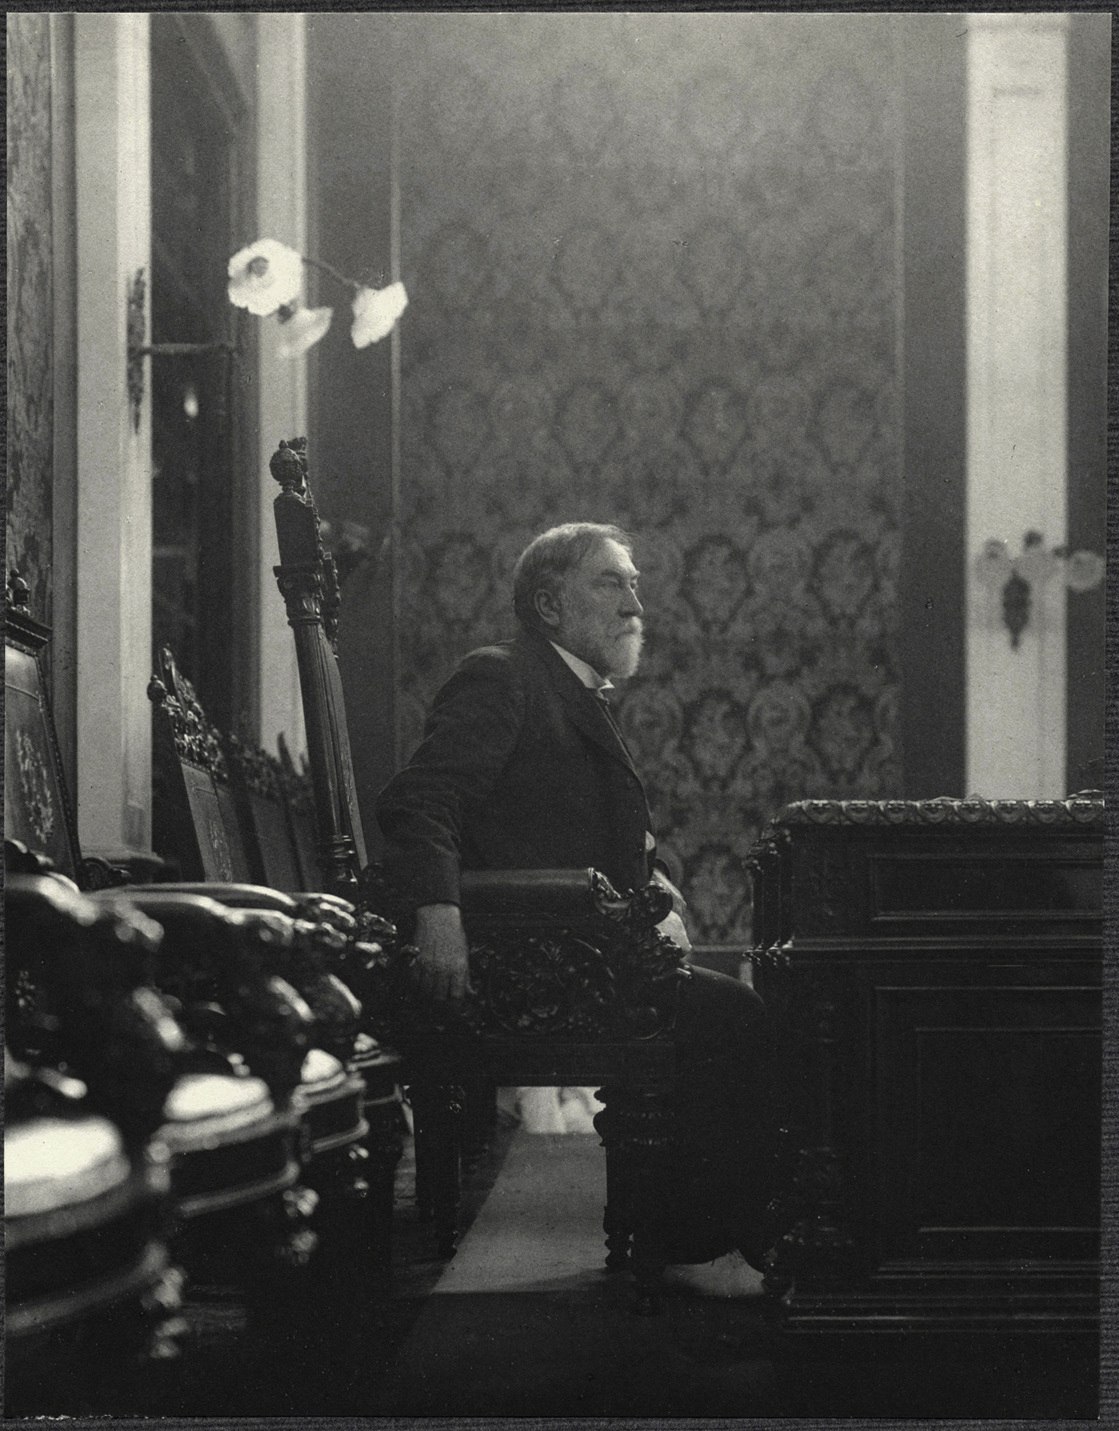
x=288, y=465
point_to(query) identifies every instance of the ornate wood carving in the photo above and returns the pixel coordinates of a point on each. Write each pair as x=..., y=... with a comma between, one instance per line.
x=809, y=1209
x=261, y=772
x=258, y=782
x=220, y=967
x=567, y=972
x=81, y=997
x=308, y=582
x=1085, y=809
x=197, y=816
x=197, y=741
x=635, y=1131
x=299, y=952
x=596, y=973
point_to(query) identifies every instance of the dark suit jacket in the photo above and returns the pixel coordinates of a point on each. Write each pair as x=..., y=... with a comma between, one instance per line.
x=519, y=768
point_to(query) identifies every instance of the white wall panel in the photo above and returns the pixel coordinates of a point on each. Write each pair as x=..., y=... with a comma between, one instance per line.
x=1016, y=357
x=282, y=215
x=112, y=79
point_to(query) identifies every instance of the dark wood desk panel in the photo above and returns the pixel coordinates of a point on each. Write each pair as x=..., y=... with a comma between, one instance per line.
x=935, y=972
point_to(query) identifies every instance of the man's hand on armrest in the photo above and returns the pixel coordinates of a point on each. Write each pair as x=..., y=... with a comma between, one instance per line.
x=442, y=969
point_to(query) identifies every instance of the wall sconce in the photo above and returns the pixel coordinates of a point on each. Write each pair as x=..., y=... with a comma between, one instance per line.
x=1016, y=577
x=138, y=350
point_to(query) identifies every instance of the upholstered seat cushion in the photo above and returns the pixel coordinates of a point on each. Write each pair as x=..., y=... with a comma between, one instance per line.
x=206, y=1105
x=229, y=1143
x=321, y=1072
x=53, y=1163
x=331, y=1099
x=81, y=1223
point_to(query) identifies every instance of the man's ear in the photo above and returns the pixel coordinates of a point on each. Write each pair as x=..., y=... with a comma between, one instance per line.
x=548, y=606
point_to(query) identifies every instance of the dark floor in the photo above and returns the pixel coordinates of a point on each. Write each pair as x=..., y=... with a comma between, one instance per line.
x=524, y=1322
x=219, y=1375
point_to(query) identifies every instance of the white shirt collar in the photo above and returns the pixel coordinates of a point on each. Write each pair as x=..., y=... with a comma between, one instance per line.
x=587, y=674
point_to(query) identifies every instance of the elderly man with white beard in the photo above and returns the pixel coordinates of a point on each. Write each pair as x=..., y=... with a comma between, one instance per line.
x=522, y=766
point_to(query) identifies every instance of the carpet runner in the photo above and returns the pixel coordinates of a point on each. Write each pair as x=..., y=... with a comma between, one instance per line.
x=525, y=1322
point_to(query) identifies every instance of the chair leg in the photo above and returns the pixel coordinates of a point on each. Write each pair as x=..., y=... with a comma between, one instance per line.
x=635, y=1129
x=421, y=1147
x=479, y=1120
x=384, y=1145
x=344, y=1311
x=617, y=1215
x=437, y=1110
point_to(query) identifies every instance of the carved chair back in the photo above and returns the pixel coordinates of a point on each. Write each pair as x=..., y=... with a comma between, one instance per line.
x=308, y=581
x=196, y=820
x=346, y=1085
x=258, y=782
x=299, y=806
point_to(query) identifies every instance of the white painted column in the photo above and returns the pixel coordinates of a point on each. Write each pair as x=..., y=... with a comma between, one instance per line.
x=1016, y=377
x=282, y=215
x=112, y=112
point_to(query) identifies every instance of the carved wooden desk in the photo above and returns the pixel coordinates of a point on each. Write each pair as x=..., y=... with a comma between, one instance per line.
x=935, y=970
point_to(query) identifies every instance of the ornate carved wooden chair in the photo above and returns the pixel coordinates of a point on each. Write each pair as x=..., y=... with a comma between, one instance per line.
x=259, y=783
x=175, y=1030
x=317, y=945
x=574, y=984
x=255, y=964
x=229, y=1150
x=89, y=1287
x=198, y=817
x=238, y=1137
x=92, y=1294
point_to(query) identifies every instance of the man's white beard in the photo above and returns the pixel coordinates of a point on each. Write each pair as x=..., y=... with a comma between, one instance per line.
x=626, y=655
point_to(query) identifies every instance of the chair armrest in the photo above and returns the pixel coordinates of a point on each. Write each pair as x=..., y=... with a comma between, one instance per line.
x=536, y=892
x=552, y=952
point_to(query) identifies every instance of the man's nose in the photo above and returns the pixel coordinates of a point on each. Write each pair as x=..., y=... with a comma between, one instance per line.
x=632, y=606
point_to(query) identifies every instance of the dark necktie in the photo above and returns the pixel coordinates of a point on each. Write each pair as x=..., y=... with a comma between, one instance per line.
x=608, y=711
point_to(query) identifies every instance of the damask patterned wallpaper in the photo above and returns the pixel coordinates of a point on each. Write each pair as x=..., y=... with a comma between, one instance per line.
x=653, y=271
x=30, y=370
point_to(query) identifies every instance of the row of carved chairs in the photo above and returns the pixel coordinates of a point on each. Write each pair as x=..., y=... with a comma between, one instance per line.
x=234, y=1123
x=243, y=969
x=282, y=1128
x=225, y=809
